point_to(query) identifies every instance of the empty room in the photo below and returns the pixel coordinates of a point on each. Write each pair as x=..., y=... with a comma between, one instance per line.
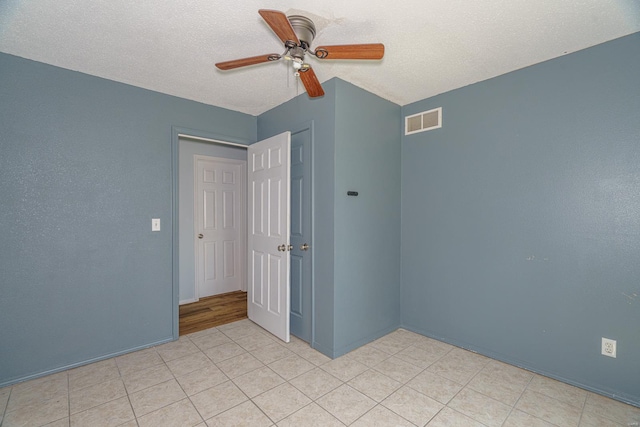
x=431, y=208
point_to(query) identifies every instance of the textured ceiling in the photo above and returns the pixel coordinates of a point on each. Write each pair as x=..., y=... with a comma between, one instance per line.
x=432, y=46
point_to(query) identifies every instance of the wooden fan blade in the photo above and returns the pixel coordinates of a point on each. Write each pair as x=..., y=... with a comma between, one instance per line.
x=237, y=63
x=311, y=83
x=351, y=51
x=280, y=25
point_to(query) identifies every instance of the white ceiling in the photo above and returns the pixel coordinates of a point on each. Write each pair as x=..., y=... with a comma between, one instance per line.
x=432, y=46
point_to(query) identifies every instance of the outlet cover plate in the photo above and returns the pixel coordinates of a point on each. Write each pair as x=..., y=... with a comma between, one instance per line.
x=609, y=347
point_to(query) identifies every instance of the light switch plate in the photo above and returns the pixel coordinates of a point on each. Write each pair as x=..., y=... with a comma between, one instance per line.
x=155, y=224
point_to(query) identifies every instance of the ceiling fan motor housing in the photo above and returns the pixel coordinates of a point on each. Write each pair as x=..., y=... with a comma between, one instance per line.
x=304, y=29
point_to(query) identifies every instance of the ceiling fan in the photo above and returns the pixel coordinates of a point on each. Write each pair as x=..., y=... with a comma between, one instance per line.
x=297, y=32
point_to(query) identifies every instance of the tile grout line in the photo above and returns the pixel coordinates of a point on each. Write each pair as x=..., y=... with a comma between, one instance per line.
x=69, y=395
x=164, y=362
x=135, y=416
x=6, y=406
x=404, y=383
x=288, y=381
x=182, y=388
x=465, y=385
x=584, y=404
x=231, y=380
x=518, y=399
x=424, y=370
x=266, y=391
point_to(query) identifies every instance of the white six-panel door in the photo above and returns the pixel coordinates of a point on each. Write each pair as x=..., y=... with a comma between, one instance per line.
x=268, y=302
x=219, y=225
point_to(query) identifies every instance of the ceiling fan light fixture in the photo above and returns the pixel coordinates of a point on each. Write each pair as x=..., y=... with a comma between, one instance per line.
x=297, y=32
x=304, y=29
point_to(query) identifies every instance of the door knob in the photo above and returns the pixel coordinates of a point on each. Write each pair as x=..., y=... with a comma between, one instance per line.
x=200, y=236
x=282, y=248
x=304, y=247
x=290, y=247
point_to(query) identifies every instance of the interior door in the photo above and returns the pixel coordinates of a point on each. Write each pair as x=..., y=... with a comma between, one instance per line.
x=268, y=302
x=219, y=225
x=301, y=316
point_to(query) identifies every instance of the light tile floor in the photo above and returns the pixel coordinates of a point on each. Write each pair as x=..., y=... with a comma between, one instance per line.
x=240, y=375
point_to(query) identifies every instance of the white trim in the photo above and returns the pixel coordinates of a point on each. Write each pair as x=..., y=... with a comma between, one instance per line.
x=422, y=128
x=243, y=231
x=189, y=301
x=216, y=141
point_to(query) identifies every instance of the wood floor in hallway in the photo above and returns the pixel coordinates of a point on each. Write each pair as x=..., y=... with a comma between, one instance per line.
x=212, y=311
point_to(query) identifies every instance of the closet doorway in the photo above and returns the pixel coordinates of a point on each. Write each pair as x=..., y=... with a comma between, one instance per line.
x=187, y=145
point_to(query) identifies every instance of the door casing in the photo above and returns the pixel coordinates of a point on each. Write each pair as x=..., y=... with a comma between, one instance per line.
x=178, y=132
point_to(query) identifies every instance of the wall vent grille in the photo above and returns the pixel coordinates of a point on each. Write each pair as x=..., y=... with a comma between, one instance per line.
x=421, y=122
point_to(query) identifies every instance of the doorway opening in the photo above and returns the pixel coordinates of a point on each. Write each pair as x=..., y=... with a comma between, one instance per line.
x=185, y=144
x=190, y=249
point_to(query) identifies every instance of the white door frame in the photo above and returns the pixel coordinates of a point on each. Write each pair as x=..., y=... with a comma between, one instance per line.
x=177, y=133
x=242, y=218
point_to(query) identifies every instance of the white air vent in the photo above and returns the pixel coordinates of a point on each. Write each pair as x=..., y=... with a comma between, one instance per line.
x=424, y=121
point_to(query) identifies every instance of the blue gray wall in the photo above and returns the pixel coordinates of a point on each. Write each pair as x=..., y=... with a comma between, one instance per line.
x=367, y=227
x=85, y=164
x=521, y=218
x=356, y=146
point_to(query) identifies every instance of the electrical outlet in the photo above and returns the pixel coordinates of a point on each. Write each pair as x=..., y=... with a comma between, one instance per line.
x=155, y=224
x=608, y=347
